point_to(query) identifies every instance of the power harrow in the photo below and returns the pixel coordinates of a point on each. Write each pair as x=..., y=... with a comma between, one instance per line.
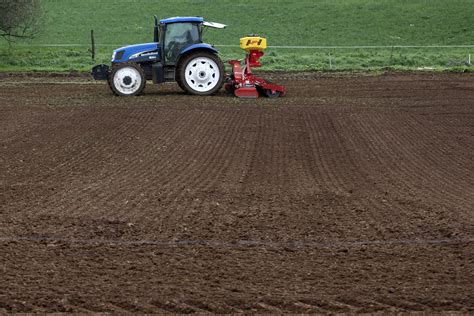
x=242, y=82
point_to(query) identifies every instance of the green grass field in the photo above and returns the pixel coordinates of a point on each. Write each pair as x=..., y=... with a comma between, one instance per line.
x=285, y=23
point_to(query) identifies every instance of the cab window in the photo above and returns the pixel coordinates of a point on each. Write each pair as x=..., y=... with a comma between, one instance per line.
x=178, y=36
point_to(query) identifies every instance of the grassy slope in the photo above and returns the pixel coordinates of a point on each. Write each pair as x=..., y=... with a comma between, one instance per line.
x=302, y=22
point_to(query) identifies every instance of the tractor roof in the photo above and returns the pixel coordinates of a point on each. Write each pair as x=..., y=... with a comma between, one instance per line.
x=179, y=19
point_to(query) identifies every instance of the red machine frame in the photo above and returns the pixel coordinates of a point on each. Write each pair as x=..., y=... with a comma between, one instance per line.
x=245, y=85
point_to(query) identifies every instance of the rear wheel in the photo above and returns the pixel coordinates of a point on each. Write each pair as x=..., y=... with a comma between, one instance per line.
x=127, y=79
x=200, y=73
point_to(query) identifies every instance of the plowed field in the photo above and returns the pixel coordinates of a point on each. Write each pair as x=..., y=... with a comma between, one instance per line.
x=351, y=194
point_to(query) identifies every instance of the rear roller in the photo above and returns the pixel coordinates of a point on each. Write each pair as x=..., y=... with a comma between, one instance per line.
x=271, y=94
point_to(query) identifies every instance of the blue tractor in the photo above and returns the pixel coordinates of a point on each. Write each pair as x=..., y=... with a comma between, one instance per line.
x=176, y=54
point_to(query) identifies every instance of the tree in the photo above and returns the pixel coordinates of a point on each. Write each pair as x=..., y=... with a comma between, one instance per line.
x=19, y=19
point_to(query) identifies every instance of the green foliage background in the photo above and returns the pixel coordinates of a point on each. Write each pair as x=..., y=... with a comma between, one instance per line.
x=285, y=23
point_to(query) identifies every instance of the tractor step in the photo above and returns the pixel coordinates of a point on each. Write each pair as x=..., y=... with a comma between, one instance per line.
x=169, y=73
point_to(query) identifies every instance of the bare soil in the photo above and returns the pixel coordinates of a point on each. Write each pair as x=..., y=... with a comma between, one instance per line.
x=352, y=194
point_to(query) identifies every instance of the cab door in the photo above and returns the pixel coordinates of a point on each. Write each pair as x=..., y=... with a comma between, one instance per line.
x=178, y=36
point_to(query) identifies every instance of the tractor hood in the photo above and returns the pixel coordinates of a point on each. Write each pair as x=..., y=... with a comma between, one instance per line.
x=122, y=54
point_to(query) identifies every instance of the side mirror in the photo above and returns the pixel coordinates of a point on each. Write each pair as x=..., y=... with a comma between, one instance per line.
x=156, y=37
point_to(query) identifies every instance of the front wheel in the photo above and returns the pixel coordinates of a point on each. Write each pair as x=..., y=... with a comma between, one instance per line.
x=127, y=79
x=200, y=73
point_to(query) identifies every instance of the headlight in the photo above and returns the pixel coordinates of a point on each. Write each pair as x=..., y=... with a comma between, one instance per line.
x=113, y=55
x=118, y=55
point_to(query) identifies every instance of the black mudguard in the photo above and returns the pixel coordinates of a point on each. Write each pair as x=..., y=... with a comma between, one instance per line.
x=101, y=72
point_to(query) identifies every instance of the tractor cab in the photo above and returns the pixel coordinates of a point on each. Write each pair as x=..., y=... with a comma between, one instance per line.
x=179, y=33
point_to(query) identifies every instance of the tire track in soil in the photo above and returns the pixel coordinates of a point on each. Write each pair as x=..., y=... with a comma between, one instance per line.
x=372, y=205
x=40, y=173
x=412, y=162
x=276, y=174
x=31, y=135
x=15, y=124
x=327, y=181
x=55, y=206
x=178, y=154
x=228, y=152
x=382, y=210
x=207, y=142
x=177, y=168
x=345, y=181
x=175, y=158
x=88, y=155
x=449, y=145
x=378, y=148
x=169, y=195
x=225, y=159
x=209, y=170
x=127, y=179
x=430, y=163
x=178, y=178
x=399, y=177
x=276, y=161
